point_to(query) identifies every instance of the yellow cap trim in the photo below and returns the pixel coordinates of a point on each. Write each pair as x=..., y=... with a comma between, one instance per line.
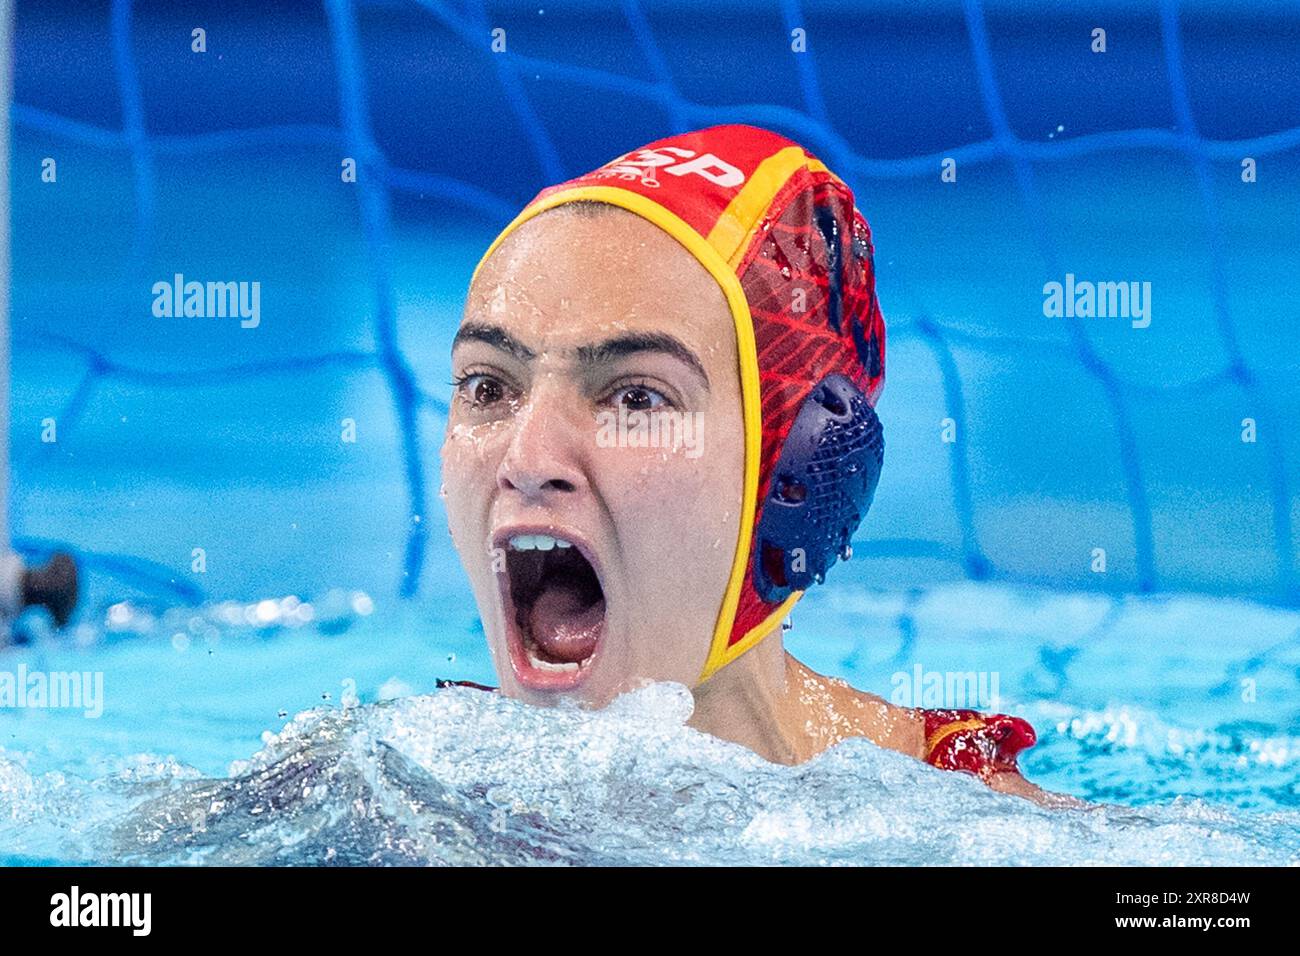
x=730, y=234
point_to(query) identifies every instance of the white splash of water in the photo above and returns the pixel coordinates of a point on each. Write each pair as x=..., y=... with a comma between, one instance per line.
x=465, y=777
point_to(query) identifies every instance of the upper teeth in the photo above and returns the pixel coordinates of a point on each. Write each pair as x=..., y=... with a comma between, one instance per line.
x=537, y=542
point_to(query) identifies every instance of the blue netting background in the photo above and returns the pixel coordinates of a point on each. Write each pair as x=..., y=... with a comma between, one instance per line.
x=1071, y=434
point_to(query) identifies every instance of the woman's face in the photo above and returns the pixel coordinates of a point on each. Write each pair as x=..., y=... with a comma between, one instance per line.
x=594, y=455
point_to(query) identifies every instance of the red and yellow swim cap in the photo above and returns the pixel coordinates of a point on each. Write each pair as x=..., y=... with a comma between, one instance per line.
x=793, y=256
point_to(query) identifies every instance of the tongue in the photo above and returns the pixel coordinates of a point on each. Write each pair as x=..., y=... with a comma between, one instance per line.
x=564, y=625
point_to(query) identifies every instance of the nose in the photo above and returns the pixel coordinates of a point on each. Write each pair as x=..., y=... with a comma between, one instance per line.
x=544, y=455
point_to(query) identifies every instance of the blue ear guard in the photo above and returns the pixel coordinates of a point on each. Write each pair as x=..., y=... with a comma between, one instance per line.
x=820, y=490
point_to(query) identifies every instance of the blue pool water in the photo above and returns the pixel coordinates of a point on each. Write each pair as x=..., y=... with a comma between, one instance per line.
x=290, y=742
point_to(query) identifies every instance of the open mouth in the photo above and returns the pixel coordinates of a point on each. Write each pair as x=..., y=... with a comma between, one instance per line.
x=555, y=610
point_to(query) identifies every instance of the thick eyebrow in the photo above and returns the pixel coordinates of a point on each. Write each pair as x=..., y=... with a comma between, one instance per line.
x=636, y=342
x=632, y=343
x=494, y=336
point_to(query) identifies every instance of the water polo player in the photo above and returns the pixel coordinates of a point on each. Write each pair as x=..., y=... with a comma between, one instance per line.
x=663, y=432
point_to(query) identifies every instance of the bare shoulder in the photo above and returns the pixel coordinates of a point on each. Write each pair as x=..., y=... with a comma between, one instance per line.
x=891, y=726
x=856, y=713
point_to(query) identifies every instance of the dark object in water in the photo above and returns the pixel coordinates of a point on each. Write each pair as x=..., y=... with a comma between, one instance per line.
x=53, y=587
x=444, y=682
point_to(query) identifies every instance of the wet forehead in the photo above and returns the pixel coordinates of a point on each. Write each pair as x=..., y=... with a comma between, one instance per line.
x=561, y=279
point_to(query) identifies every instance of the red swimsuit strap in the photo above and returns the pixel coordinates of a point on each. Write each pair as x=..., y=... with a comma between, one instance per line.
x=969, y=741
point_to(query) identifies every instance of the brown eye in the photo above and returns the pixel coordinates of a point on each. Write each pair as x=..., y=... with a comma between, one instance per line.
x=639, y=398
x=487, y=391
x=481, y=390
